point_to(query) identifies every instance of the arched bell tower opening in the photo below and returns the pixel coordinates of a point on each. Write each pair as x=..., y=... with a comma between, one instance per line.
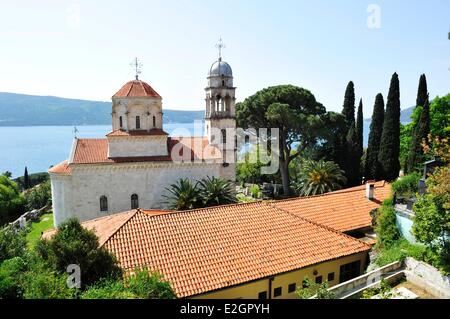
x=220, y=113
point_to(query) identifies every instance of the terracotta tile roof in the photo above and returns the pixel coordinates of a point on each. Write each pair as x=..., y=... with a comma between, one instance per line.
x=212, y=248
x=137, y=88
x=61, y=168
x=153, y=131
x=343, y=210
x=92, y=151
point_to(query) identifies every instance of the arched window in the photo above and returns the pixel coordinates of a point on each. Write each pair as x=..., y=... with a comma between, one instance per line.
x=103, y=203
x=120, y=122
x=138, y=122
x=134, y=201
x=224, y=136
x=154, y=121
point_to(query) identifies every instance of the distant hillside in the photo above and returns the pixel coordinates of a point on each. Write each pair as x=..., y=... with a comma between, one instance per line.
x=32, y=110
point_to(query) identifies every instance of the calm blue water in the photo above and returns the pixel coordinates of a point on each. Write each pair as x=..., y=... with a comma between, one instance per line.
x=39, y=147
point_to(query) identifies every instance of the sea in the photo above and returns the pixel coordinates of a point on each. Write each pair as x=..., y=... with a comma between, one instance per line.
x=40, y=147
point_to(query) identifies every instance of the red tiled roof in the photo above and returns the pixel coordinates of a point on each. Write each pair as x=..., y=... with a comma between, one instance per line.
x=212, y=248
x=92, y=151
x=61, y=168
x=153, y=131
x=136, y=88
x=343, y=210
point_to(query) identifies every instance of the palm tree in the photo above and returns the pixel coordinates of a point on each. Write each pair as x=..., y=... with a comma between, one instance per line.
x=183, y=195
x=216, y=191
x=318, y=177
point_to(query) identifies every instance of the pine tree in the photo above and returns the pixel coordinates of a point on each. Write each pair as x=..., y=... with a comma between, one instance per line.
x=349, y=104
x=359, y=129
x=388, y=155
x=372, y=166
x=26, y=179
x=352, y=161
x=422, y=91
x=415, y=155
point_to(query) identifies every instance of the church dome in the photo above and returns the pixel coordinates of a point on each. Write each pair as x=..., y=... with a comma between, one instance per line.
x=220, y=68
x=136, y=88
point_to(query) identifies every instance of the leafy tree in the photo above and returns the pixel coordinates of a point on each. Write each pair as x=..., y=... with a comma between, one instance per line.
x=34, y=179
x=407, y=185
x=416, y=155
x=372, y=166
x=183, y=195
x=26, y=179
x=386, y=228
x=11, y=201
x=389, y=152
x=293, y=110
x=46, y=284
x=353, y=160
x=11, y=271
x=39, y=196
x=319, y=177
x=440, y=117
x=216, y=191
x=360, y=129
x=73, y=244
x=12, y=243
x=7, y=174
x=348, y=109
x=310, y=289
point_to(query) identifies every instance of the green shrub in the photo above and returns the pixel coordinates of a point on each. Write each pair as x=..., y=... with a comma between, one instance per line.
x=255, y=191
x=108, y=289
x=11, y=271
x=407, y=185
x=12, y=203
x=73, y=244
x=149, y=286
x=39, y=196
x=399, y=250
x=386, y=228
x=45, y=284
x=13, y=243
x=310, y=289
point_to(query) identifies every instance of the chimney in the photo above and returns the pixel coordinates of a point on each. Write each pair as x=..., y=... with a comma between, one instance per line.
x=370, y=186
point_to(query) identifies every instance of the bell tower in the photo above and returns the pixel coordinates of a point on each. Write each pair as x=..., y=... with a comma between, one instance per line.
x=220, y=114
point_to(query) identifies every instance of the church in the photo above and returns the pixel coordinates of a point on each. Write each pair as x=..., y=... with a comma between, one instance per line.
x=134, y=164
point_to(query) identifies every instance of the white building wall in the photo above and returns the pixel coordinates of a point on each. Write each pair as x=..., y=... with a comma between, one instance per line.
x=118, y=182
x=121, y=146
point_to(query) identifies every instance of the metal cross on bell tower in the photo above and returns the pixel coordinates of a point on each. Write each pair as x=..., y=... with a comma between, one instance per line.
x=220, y=45
x=137, y=67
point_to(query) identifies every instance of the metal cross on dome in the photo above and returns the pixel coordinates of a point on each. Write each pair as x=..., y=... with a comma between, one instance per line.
x=137, y=66
x=220, y=46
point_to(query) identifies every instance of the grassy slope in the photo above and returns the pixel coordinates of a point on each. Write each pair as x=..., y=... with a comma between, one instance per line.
x=45, y=223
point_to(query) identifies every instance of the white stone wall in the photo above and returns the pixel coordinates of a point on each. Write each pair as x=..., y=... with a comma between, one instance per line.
x=129, y=108
x=122, y=146
x=79, y=194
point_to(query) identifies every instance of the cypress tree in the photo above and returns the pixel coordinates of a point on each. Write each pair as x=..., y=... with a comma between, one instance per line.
x=359, y=129
x=349, y=104
x=26, y=179
x=353, y=161
x=372, y=166
x=416, y=156
x=388, y=155
x=422, y=91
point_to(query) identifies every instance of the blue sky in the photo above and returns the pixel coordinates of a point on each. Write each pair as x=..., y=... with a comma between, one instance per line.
x=82, y=49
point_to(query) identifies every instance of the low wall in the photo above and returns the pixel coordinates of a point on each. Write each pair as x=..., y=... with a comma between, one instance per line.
x=356, y=285
x=427, y=277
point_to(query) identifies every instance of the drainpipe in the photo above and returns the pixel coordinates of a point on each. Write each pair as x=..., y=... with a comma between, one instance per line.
x=270, y=287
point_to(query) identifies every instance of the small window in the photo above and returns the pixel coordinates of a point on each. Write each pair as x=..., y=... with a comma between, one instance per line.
x=319, y=279
x=223, y=83
x=291, y=288
x=138, y=122
x=224, y=136
x=103, y=203
x=120, y=122
x=154, y=121
x=277, y=292
x=262, y=295
x=331, y=276
x=134, y=201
